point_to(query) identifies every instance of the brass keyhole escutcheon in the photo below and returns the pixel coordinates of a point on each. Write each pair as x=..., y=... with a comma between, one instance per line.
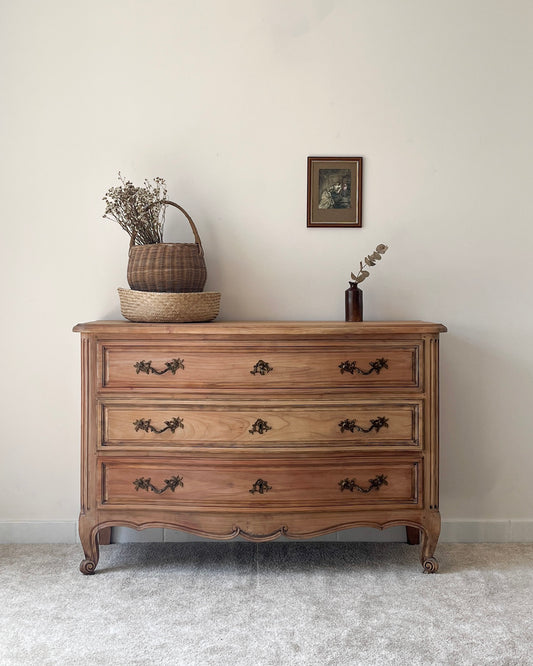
x=261, y=368
x=260, y=427
x=260, y=486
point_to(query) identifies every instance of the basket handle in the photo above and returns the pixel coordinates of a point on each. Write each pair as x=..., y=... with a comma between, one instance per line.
x=189, y=218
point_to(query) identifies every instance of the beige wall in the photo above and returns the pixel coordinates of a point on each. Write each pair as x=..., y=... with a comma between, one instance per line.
x=226, y=99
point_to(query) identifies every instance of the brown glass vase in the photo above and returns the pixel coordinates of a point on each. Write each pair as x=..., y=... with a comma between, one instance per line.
x=353, y=300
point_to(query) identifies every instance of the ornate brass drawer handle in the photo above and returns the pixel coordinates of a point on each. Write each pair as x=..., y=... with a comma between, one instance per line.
x=261, y=368
x=375, y=366
x=261, y=487
x=259, y=426
x=146, y=425
x=376, y=424
x=146, y=366
x=146, y=484
x=375, y=484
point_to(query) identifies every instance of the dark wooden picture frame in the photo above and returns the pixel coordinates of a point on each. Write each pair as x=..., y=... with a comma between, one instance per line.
x=334, y=191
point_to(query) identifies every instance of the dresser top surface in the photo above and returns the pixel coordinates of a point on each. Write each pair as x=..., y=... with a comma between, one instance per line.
x=262, y=328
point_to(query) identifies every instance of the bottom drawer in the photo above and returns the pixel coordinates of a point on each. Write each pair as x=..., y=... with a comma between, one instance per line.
x=264, y=484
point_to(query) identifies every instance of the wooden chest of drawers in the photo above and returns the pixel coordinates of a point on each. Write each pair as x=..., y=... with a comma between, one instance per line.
x=259, y=429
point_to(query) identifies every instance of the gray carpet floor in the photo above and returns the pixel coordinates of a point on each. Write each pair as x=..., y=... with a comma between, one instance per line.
x=271, y=604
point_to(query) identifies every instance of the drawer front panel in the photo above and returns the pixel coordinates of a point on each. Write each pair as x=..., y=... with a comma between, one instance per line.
x=261, y=483
x=374, y=367
x=376, y=425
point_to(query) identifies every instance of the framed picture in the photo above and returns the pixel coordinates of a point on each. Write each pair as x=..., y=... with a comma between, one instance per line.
x=334, y=191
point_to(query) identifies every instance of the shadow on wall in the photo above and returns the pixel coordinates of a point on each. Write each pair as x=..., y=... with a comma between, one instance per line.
x=113, y=313
x=484, y=426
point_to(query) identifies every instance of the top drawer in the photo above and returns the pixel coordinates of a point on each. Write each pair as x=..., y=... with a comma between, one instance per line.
x=370, y=367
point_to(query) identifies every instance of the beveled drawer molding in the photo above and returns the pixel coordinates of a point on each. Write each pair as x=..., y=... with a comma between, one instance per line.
x=234, y=366
x=259, y=429
x=379, y=424
x=221, y=485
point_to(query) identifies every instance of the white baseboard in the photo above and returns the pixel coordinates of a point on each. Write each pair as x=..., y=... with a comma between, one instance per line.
x=453, y=531
x=39, y=532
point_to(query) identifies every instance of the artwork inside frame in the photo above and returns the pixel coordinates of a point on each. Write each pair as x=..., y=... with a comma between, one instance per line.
x=334, y=191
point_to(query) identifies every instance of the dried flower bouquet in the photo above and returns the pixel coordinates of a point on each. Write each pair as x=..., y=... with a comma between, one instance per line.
x=140, y=211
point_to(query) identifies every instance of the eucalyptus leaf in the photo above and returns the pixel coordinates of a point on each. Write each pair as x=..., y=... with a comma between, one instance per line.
x=369, y=261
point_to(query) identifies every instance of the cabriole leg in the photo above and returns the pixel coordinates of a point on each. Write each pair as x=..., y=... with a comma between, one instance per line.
x=430, y=537
x=89, y=542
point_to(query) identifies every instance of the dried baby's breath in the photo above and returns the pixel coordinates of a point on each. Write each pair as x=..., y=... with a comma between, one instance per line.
x=140, y=211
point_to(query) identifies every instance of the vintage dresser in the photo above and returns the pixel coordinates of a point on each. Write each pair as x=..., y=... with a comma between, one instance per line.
x=259, y=429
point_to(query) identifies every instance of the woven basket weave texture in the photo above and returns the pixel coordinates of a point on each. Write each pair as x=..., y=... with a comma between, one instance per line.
x=144, y=306
x=168, y=267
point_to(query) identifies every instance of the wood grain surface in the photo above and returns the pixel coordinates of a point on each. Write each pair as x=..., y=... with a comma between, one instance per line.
x=259, y=429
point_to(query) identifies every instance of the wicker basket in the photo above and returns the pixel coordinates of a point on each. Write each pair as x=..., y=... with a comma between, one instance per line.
x=168, y=267
x=146, y=306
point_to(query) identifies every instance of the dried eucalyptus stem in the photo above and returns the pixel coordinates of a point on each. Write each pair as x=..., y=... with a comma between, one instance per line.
x=369, y=261
x=140, y=211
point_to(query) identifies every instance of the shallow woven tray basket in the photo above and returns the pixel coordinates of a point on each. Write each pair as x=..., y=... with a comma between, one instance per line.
x=152, y=306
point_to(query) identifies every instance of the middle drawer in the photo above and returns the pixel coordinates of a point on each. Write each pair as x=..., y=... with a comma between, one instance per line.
x=182, y=424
